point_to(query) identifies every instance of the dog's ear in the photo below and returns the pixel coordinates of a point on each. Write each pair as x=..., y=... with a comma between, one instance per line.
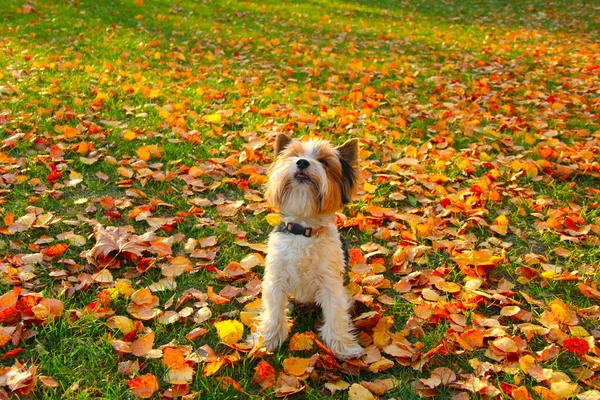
x=349, y=151
x=281, y=142
x=348, y=154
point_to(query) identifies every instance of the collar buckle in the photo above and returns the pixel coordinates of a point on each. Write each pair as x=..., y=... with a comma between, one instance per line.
x=298, y=229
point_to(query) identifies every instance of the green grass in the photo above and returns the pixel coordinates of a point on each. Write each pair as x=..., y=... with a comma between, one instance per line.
x=442, y=83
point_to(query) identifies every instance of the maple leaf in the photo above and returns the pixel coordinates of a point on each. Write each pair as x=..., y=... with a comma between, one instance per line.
x=116, y=239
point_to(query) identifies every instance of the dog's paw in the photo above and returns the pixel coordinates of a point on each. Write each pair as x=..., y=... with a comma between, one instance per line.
x=274, y=338
x=345, y=351
x=253, y=339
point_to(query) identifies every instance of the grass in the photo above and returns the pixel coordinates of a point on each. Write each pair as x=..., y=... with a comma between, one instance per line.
x=469, y=91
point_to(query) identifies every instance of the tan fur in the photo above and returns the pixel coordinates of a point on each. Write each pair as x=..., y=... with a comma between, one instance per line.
x=329, y=187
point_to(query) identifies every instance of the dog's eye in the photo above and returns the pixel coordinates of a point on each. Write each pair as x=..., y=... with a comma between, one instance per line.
x=323, y=162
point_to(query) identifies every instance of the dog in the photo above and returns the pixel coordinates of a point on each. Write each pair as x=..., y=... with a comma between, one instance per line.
x=308, y=182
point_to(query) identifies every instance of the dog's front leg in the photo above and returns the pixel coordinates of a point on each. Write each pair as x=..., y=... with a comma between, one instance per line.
x=336, y=331
x=273, y=325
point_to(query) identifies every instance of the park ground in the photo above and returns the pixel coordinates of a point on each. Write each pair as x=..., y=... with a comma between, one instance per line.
x=135, y=141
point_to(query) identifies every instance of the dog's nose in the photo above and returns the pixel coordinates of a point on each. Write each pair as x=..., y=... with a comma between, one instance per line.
x=302, y=163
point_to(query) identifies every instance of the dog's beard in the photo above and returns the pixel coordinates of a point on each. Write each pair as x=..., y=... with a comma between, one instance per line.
x=311, y=178
x=297, y=195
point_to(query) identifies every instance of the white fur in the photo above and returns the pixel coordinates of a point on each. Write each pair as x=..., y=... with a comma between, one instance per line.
x=311, y=270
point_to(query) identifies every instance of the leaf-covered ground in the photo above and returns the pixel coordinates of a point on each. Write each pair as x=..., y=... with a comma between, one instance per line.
x=135, y=137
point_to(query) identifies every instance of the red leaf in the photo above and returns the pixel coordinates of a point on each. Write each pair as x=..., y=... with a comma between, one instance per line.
x=112, y=214
x=576, y=346
x=9, y=315
x=25, y=304
x=54, y=174
x=11, y=353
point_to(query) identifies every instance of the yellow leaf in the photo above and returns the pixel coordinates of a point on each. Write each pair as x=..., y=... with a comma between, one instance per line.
x=500, y=225
x=213, y=118
x=155, y=93
x=248, y=318
x=338, y=385
x=578, y=331
x=122, y=323
x=212, y=367
x=358, y=392
x=143, y=153
x=563, y=390
x=229, y=331
x=124, y=288
x=129, y=135
x=295, y=366
x=273, y=219
x=530, y=169
x=369, y=188
x=381, y=332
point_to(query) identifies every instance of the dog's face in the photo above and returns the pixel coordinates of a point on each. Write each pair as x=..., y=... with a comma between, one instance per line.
x=312, y=178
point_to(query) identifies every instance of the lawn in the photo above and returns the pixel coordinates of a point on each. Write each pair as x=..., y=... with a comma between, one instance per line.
x=135, y=141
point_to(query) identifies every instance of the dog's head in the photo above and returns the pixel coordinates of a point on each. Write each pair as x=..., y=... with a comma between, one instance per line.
x=311, y=177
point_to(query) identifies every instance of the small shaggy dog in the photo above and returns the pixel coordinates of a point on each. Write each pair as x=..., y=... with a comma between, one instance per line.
x=309, y=181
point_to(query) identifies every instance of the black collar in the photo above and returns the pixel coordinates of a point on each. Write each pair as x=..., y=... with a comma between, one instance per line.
x=297, y=229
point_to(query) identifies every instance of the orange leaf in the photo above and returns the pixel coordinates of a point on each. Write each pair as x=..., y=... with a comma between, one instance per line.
x=301, y=341
x=173, y=358
x=144, y=297
x=521, y=393
x=477, y=258
x=70, y=132
x=6, y=334
x=142, y=345
x=143, y=386
x=265, y=375
x=55, y=250
x=562, y=312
